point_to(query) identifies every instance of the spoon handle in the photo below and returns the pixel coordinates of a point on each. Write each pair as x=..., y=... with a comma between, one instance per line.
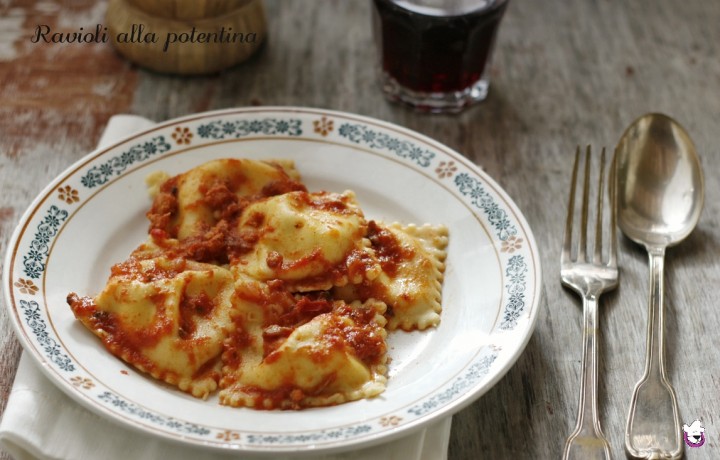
x=653, y=427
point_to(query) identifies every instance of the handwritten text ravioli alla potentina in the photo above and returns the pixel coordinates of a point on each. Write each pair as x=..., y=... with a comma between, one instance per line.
x=139, y=33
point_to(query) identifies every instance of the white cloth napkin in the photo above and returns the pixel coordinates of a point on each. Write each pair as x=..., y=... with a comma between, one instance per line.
x=41, y=422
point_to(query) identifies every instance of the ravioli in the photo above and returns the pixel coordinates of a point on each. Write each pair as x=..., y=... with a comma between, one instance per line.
x=314, y=240
x=193, y=202
x=166, y=317
x=302, y=351
x=253, y=288
x=413, y=265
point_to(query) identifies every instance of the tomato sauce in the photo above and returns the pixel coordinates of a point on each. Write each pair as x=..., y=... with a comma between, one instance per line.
x=165, y=207
x=192, y=308
x=390, y=251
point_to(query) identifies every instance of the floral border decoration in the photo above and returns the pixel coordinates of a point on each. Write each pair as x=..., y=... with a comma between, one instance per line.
x=33, y=318
x=137, y=411
x=517, y=266
x=515, y=272
x=498, y=218
x=473, y=376
x=379, y=140
x=98, y=175
x=220, y=129
x=34, y=260
x=341, y=433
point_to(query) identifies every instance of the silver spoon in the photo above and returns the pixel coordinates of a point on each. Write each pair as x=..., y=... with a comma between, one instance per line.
x=660, y=195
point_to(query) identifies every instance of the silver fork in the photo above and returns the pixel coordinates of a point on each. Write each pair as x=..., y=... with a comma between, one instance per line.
x=589, y=276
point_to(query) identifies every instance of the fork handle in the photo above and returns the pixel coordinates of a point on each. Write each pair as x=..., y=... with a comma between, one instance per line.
x=587, y=441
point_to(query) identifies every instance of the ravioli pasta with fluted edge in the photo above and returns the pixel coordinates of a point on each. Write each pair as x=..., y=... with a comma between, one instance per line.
x=275, y=297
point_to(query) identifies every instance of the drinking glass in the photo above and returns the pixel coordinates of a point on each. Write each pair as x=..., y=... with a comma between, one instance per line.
x=434, y=55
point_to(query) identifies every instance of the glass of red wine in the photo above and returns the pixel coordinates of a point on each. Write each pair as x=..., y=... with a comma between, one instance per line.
x=434, y=55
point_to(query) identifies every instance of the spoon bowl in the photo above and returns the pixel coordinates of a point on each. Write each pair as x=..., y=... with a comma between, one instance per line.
x=661, y=193
x=659, y=196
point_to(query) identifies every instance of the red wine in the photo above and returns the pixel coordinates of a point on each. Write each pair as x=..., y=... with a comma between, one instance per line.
x=433, y=53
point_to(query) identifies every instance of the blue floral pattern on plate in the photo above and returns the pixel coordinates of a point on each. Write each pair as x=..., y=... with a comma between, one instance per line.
x=101, y=174
x=375, y=139
x=34, y=258
x=169, y=422
x=51, y=348
x=221, y=129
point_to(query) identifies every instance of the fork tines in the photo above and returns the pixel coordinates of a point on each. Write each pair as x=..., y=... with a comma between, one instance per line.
x=581, y=249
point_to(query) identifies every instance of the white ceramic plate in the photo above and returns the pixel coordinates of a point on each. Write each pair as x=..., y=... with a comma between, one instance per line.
x=92, y=216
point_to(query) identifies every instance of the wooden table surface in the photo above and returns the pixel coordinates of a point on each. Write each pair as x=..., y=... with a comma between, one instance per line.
x=566, y=73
